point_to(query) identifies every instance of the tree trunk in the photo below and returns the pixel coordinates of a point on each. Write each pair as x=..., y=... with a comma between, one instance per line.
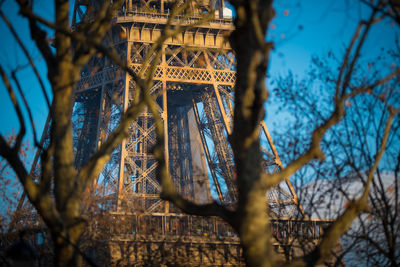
x=252, y=55
x=255, y=232
x=66, y=248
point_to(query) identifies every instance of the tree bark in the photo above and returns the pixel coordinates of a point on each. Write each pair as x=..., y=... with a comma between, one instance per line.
x=66, y=252
x=252, y=52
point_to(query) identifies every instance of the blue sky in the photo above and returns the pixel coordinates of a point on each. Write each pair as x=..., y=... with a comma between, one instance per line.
x=11, y=56
x=303, y=29
x=300, y=30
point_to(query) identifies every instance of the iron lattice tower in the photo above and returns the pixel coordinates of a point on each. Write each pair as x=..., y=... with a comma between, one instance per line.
x=194, y=84
x=194, y=89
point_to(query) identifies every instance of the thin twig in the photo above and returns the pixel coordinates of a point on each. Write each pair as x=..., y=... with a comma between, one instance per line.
x=21, y=44
x=17, y=108
x=14, y=76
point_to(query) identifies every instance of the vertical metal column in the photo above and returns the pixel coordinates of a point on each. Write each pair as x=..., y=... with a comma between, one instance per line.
x=123, y=144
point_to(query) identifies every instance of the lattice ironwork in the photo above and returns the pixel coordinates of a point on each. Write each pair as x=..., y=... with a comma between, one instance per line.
x=194, y=86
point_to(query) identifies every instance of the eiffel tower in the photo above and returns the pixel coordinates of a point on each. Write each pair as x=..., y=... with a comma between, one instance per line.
x=194, y=83
x=194, y=89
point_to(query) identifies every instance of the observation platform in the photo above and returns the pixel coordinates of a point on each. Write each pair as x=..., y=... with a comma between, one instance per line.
x=136, y=16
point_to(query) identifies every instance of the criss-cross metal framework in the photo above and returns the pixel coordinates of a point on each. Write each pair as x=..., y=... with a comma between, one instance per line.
x=194, y=84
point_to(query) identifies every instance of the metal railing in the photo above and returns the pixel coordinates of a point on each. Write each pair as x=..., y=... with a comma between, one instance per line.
x=165, y=15
x=180, y=225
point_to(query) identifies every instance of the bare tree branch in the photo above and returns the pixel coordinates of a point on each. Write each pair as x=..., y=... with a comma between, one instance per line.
x=37, y=34
x=314, y=151
x=361, y=42
x=17, y=108
x=13, y=74
x=341, y=224
x=21, y=44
